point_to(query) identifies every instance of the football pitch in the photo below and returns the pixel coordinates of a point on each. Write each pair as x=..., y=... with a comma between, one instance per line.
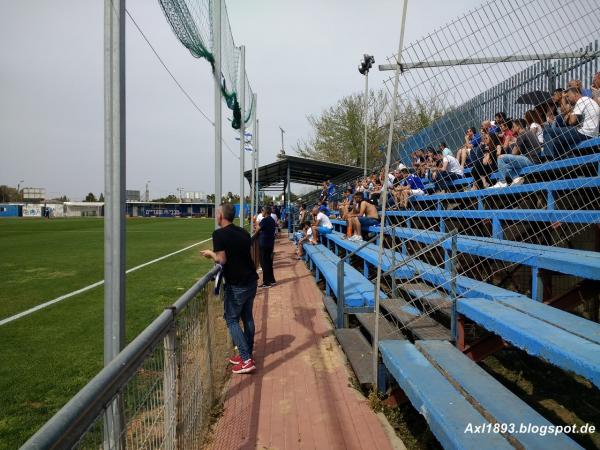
x=48, y=355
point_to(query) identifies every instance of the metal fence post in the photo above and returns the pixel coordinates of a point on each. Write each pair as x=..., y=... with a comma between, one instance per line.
x=114, y=210
x=242, y=102
x=394, y=286
x=208, y=294
x=171, y=382
x=453, y=275
x=216, y=33
x=341, y=296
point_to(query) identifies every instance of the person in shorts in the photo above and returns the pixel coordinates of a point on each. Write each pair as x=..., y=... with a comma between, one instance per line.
x=365, y=216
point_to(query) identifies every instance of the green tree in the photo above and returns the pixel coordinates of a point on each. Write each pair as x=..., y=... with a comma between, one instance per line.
x=90, y=197
x=101, y=198
x=8, y=194
x=338, y=133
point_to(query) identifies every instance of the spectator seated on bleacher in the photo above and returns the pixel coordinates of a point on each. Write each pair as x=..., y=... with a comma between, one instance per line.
x=300, y=237
x=321, y=224
x=534, y=123
x=472, y=140
x=582, y=124
x=346, y=203
x=525, y=152
x=491, y=148
x=555, y=108
x=595, y=90
x=448, y=170
x=444, y=149
x=363, y=216
x=410, y=185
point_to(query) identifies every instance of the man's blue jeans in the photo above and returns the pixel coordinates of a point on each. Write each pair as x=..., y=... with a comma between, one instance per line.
x=509, y=166
x=558, y=141
x=238, y=306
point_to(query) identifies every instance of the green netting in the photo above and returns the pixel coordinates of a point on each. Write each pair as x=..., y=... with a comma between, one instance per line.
x=191, y=21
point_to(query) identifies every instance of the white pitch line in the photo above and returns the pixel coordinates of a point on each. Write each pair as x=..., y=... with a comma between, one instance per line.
x=92, y=286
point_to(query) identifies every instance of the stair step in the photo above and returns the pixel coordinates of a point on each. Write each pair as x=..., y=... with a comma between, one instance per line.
x=387, y=330
x=359, y=353
x=421, y=326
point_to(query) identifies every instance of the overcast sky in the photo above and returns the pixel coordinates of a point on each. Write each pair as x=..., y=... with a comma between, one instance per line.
x=301, y=57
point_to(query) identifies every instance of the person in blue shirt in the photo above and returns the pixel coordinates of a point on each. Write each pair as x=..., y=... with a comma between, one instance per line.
x=410, y=185
x=331, y=195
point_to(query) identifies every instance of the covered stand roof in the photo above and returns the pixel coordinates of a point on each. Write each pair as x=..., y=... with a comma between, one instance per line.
x=302, y=170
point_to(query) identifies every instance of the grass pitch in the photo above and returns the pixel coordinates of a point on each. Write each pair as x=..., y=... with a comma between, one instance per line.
x=46, y=357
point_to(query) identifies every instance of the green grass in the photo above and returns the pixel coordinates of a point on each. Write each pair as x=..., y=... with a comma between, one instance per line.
x=46, y=357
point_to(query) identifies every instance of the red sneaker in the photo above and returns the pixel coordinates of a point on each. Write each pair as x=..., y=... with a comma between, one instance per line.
x=235, y=360
x=244, y=367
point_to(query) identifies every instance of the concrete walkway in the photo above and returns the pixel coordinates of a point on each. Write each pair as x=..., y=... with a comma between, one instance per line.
x=300, y=396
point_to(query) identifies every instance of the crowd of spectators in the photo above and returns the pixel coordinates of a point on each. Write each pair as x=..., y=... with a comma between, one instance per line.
x=504, y=145
x=550, y=130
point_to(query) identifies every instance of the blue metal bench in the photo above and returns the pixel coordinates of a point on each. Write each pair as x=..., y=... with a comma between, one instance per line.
x=452, y=392
x=552, y=341
x=358, y=290
x=581, y=263
x=547, y=187
x=499, y=216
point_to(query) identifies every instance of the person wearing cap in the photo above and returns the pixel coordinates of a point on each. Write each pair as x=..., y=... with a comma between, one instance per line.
x=411, y=185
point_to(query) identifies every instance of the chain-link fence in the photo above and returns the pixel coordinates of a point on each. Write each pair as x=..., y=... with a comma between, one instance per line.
x=160, y=390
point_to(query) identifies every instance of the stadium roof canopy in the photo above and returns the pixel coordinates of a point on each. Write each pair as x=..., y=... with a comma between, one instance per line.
x=301, y=170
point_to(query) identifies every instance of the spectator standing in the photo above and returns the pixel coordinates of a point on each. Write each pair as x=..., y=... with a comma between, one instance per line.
x=266, y=243
x=231, y=249
x=525, y=152
x=331, y=195
x=582, y=124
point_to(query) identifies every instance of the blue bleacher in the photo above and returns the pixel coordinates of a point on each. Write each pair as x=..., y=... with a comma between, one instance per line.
x=553, y=342
x=547, y=187
x=358, y=291
x=506, y=303
x=451, y=391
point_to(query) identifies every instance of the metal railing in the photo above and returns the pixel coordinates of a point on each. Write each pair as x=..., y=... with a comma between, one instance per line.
x=157, y=393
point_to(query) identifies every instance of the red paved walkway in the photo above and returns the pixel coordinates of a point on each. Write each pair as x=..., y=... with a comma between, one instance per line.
x=299, y=398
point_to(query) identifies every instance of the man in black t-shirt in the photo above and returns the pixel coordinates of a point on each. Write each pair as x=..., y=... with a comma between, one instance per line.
x=266, y=242
x=231, y=249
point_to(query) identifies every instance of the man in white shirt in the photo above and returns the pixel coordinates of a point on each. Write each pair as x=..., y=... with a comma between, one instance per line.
x=582, y=124
x=260, y=217
x=321, y=224
x=449, y=169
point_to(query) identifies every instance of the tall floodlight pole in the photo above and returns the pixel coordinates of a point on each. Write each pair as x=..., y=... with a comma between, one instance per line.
x=216, y=35
x=242, y=101
x=384, y=196
x=364, y=67
x=114, y=209
x=253, y=178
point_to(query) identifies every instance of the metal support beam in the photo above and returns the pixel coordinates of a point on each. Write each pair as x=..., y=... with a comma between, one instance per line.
x=375, y=336
x=114, y=179
x=242, y=102
x=366, y=121
x=488, y=60
x=257, y=156
x=253, y=181
x=216, y=35
x=288, y=198
x=114, y=209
